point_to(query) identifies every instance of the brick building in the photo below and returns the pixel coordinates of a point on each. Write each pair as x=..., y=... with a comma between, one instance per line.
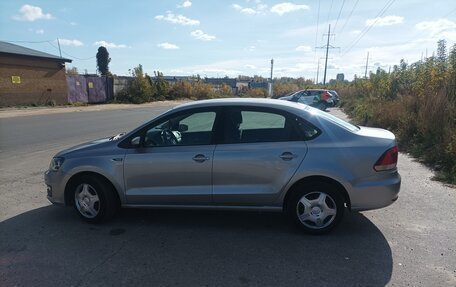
x=28, y=76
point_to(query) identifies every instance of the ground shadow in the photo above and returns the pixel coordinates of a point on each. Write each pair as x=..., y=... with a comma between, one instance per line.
x=51, y=246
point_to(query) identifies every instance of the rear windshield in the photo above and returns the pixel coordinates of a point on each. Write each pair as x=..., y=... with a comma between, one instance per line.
x=335, y=120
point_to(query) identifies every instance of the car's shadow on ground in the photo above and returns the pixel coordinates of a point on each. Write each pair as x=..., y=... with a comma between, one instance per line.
x=51, y=246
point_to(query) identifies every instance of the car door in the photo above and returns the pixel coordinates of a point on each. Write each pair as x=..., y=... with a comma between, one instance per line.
x=173, y=163
x=305, y=97
x=259, y=150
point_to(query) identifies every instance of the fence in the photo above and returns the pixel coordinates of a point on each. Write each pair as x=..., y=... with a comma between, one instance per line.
x=89, y=89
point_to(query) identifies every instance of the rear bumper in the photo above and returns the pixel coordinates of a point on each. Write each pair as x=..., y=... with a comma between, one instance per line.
x=370, y=195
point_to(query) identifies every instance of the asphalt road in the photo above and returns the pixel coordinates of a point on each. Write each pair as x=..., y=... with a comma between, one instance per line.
x=410, y=243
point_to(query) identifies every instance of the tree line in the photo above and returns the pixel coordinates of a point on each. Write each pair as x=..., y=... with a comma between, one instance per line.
x=417, y=102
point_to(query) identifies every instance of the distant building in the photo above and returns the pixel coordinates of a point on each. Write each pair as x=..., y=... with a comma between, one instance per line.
x=173, y=79
x=217, y=83
x=259, y=85
x=29, y=76
x=340, y=77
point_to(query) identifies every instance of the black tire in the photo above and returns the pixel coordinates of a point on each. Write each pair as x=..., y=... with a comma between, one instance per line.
x=316, y=218
x=95, y=188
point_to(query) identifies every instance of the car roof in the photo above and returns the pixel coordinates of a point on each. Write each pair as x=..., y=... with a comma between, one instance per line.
x=253, y=102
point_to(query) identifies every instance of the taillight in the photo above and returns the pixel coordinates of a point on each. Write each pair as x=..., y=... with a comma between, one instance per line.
x=388, y=160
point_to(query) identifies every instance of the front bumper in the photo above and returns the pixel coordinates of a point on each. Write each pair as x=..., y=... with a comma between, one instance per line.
x=55, y=186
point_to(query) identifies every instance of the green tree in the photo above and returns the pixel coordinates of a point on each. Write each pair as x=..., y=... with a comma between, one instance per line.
x=161, y=86
x=103, y=61
x=139, y=89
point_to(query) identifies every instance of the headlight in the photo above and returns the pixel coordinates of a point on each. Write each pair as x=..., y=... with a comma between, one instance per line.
x=56, y=163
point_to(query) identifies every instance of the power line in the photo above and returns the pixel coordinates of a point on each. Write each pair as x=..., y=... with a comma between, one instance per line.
x=28, y=42
x=318, y=20
x=316, y=33
x=349, y=16
x=364, y=32
x=330, y=8
x=50, y=43
x=71, y=56
x=338, y=16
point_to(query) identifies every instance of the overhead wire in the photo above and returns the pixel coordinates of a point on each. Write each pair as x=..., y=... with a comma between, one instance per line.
x=338, y=16
x=50, y=43
x=330, y=8
x=366, y=29
x=349, y=16
x=318, y=20
x=316, y=33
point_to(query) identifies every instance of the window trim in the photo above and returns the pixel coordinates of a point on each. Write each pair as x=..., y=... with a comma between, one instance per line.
x=142, y=131
x=290, y=117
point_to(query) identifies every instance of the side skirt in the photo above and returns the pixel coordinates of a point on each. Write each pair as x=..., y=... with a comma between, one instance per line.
x=206, y=207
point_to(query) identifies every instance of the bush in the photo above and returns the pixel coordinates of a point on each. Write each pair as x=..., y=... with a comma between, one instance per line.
x=417, y=103
x=139, y=90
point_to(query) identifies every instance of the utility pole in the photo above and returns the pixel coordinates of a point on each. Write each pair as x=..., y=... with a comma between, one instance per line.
x=318, y=68
x=271, y=93
x=367, y=63
x=58, y=43
x=327, y=47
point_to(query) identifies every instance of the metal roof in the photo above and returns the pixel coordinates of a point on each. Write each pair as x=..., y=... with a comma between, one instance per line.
x=9, y=48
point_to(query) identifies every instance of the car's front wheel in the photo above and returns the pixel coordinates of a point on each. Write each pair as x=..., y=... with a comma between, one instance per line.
x=94, y=199
x=316, y=207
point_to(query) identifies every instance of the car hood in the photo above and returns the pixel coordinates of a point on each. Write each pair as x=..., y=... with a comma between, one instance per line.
x=84, y=147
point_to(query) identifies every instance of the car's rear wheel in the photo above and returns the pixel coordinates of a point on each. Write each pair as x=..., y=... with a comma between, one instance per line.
x=316, y=207
x=94, y=199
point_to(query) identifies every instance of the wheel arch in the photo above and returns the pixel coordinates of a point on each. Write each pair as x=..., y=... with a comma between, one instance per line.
x=317, y=178
x=70, y=185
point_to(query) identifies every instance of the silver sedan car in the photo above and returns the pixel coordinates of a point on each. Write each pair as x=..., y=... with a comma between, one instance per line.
x=240, y=154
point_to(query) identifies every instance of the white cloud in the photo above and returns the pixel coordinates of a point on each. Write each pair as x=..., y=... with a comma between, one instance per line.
x=303, y=49
x=441, y=28
x=73, y=23
x=177, y=19
x=168, y=46
x=356, y=32
x=253, y=67
x=67, y=42
x=185, y=4
x=109, y=45
x=287, y=7
x=384, y=21
x=40, y=31
x=258, y=9
x=31, y=13
x=200, y=35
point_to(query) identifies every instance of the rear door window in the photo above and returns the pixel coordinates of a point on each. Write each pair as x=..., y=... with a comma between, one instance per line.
x=252, y=126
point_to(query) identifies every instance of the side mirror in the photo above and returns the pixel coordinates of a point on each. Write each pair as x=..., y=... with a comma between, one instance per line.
x=183, y=128
x=135, y=142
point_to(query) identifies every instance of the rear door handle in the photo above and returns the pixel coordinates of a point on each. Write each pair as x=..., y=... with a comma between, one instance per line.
x=287, y=156
x=200, y=158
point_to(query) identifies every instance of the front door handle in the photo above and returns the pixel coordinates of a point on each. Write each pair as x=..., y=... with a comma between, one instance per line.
x=200, y=158
x=287, y=156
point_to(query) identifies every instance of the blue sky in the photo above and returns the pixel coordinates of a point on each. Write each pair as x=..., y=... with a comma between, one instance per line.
x=232, y=37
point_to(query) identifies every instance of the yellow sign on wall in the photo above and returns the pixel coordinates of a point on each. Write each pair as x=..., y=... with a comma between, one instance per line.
x=15, y=79
x=90, y=85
